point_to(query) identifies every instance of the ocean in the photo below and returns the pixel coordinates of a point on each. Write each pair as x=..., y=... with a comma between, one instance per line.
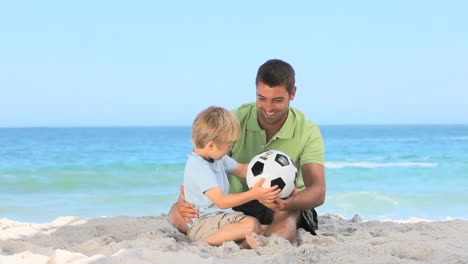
x=377, y=171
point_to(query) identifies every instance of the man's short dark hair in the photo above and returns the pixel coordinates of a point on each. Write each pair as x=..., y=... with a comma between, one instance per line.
x=276, y=72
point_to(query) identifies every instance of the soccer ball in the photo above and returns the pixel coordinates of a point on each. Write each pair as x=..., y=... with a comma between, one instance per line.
x=277, y=169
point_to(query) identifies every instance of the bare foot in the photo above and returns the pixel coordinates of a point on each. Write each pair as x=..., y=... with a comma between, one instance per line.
x=254, y=240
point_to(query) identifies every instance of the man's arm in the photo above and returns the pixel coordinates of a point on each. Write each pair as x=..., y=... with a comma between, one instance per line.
x=314, y=193
x=181, y=212
x=177, y=220
x=312, y=196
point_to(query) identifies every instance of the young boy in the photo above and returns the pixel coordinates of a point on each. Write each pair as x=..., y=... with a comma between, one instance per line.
x=214, y=130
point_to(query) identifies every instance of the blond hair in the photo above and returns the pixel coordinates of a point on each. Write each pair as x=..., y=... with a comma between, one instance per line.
x=215, y=124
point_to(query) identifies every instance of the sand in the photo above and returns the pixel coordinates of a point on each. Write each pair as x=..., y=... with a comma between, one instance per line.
x=153, y=240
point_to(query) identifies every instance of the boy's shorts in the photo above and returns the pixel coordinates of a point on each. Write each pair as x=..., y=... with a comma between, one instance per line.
x=206, y=226
x=308, y=220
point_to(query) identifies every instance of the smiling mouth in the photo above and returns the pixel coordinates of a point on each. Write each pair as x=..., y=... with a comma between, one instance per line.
x=269, y=115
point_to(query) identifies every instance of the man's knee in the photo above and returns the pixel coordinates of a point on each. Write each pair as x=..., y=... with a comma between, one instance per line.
x=284, y=224
x=287, y=217
x=286, y=220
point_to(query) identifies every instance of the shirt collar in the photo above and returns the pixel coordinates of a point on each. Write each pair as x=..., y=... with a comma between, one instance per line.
x=286, y=131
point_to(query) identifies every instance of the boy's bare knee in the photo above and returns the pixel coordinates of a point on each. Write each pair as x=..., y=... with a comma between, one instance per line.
x=253, y=222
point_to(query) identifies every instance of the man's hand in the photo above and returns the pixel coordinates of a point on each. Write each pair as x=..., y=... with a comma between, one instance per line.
x=280, y=204
x=181, y=212
x=186, y=210
x=310, y=197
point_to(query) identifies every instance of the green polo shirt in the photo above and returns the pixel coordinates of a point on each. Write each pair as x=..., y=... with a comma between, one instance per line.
x=299, y=138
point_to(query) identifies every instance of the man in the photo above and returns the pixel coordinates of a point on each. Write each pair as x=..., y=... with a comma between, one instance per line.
x=271, y=123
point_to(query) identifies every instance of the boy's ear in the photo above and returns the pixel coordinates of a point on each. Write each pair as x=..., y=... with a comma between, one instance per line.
x=210, y=145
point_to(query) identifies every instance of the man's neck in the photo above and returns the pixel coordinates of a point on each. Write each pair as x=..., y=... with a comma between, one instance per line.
x=271, y=129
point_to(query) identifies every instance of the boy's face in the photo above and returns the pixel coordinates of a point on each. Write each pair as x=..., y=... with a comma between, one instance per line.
x=219, y=150
x=273, y=103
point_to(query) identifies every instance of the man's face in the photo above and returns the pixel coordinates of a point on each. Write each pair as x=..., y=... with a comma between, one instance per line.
x=273, y=103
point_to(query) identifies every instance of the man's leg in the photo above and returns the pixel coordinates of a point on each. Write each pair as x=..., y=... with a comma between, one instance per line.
x=253, y=208
x=284, y=225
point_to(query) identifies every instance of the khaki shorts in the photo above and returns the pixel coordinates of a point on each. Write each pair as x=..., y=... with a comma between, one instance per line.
x=206, y=226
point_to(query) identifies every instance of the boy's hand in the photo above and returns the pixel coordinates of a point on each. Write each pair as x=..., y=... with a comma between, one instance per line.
x=265, y=194
x=186, y=209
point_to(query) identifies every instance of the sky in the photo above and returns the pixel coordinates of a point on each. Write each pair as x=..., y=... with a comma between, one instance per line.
x=158, y=63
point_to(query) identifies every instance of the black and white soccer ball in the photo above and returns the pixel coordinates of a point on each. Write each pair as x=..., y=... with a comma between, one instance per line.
x=276, y=167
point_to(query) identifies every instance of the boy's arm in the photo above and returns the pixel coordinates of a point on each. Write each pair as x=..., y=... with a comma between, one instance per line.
x=222, y=200
x=240, y=171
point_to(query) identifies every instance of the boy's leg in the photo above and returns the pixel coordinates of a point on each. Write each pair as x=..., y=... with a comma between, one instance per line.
x=234, y=231
x=254, y=240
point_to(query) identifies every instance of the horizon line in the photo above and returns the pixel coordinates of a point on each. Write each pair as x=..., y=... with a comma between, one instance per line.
x=187, y=126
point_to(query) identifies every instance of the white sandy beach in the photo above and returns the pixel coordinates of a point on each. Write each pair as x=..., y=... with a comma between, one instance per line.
x=153, y=240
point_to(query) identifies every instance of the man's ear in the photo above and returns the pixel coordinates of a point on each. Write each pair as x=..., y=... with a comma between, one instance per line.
x=293, y=93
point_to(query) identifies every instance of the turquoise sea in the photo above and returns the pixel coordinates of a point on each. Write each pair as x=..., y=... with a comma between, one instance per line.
x=378, y=172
